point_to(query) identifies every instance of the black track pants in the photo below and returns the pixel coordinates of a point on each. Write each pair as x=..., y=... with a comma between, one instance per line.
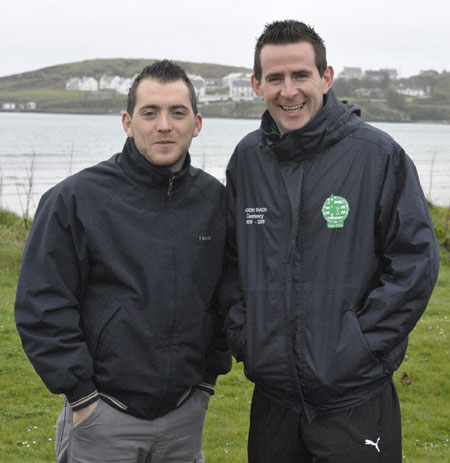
x=368, y=433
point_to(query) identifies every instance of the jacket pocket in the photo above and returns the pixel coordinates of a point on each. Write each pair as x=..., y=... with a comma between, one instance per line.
x=342, y=363
x=97, y=315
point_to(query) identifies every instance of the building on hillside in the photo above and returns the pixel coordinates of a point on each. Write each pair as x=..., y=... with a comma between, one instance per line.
x=226, y=80
x=375, y=75
x=350, y=73
x=87, y=84
x=392, y=73
x=109, y=82
x=429, y=73
x=241, y=88
x=369, y=92
x=9, y=106
x=409, y=91
x=30, y=106
x=199, y=84
x=125, y=84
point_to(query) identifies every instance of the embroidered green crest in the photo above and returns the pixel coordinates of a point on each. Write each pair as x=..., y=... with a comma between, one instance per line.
x=335, y=210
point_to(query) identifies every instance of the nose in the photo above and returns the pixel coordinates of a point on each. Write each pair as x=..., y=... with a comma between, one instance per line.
x=164, y=124
x=288, y=89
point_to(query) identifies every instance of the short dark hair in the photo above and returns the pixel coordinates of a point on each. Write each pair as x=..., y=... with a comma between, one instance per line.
x=290, y=31
x=164, y=71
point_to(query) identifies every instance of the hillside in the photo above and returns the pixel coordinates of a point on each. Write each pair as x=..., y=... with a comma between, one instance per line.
x=55, y=77
x=379, y=100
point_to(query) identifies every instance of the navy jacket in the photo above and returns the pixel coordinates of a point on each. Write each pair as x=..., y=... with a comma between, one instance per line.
x=337, y=258
x=116, y=289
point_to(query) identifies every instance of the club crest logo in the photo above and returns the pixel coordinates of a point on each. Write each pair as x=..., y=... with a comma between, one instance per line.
x=335, y=210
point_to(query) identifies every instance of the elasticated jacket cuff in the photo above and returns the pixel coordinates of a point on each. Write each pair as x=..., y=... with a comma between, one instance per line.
x=82, y=395
x=208, y=383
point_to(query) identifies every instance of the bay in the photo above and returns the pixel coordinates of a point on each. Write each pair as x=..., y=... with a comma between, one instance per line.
x=48, y=147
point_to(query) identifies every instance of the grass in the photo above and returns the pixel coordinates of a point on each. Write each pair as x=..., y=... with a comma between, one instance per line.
x=28, y=412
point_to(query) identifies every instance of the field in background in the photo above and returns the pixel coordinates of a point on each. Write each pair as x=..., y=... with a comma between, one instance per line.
x=28, y=411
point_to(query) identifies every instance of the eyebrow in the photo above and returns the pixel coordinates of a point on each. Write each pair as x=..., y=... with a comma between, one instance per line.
x=154, y=106
x=280, y=74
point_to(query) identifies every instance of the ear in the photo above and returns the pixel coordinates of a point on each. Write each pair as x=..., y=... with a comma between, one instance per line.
x=126, y=123
x=256, y=85
x=327, y=79
x=198, y=124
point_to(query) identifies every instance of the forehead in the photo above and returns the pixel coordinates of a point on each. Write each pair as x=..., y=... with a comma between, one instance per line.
x=154, y=92
x=287, y=57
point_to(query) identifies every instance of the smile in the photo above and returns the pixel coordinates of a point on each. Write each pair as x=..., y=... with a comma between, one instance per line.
x=292, y=108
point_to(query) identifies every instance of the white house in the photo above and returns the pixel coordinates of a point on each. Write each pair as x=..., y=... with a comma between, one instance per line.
x=418, y=92
x=87, y=84
x=125, y=84
x=109, y=82
x=199, y=84
x=241, y=88
x=9, y=106
x=226, y=80
x=350, y=73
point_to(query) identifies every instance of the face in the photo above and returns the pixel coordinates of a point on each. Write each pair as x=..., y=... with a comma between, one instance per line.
x=163, y=122
x=291, y=85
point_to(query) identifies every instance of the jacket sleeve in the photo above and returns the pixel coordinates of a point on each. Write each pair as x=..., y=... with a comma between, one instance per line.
x=52, y=276
x=409, y=267
x=232, y=295
x=218, y=356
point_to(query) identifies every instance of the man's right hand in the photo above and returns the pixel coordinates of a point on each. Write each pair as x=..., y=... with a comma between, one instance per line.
x=80, y=415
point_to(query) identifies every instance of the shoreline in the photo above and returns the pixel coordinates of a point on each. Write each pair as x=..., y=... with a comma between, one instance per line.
x=206, y=116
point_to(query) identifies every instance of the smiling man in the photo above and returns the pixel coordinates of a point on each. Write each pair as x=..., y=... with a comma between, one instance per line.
x=115, y=302
x=331, y=238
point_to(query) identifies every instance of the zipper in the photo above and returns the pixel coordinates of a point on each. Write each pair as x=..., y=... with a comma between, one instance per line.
x=170, y=188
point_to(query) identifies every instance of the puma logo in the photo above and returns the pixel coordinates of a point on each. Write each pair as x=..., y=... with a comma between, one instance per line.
x=375, y=444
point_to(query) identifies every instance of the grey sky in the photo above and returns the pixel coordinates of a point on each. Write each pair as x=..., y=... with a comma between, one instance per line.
x=408, y=35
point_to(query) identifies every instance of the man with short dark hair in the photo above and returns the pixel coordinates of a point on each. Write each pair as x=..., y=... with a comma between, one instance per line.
x=337, y=259
x=115, y=303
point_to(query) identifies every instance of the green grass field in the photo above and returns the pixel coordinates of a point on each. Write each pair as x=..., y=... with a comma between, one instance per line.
x=28, y=411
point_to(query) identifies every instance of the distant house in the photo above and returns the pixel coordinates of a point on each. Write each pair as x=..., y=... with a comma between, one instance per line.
x=30, y=106
x=125, y=84
x=109, y=82
x=369, y=92
x=239, y=86
x=376, y=75
x=9, y=106
x=199, y=84
x=241, y=89
x=350, y=73
x=429, y=73
x=408, y=91
x=392, y=73
x=226, y=80
x=87, y=84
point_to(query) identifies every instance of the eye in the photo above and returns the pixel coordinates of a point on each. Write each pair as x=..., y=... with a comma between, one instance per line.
x=273, y=79
x=301, y=75
x=179, y=113
x=149, y=114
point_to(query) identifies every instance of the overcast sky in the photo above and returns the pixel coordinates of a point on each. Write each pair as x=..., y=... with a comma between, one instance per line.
x=408, y=35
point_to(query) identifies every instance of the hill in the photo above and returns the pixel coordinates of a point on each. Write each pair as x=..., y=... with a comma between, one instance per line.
x=379, y=100
x=55, y=77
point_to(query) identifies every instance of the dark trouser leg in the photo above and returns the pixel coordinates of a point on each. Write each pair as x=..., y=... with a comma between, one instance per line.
x=368, y=433
x=274, y=435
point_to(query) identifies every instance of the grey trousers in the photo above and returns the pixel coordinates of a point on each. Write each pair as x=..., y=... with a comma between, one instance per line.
x=108, y=435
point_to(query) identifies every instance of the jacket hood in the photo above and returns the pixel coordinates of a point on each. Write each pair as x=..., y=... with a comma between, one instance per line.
x=142, y=171
x=333, y=122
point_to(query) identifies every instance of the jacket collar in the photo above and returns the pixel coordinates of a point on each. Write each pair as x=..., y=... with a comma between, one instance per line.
x=142, y=171
x=333, y=122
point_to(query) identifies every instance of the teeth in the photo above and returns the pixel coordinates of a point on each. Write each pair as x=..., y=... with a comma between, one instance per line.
x=292, y=108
